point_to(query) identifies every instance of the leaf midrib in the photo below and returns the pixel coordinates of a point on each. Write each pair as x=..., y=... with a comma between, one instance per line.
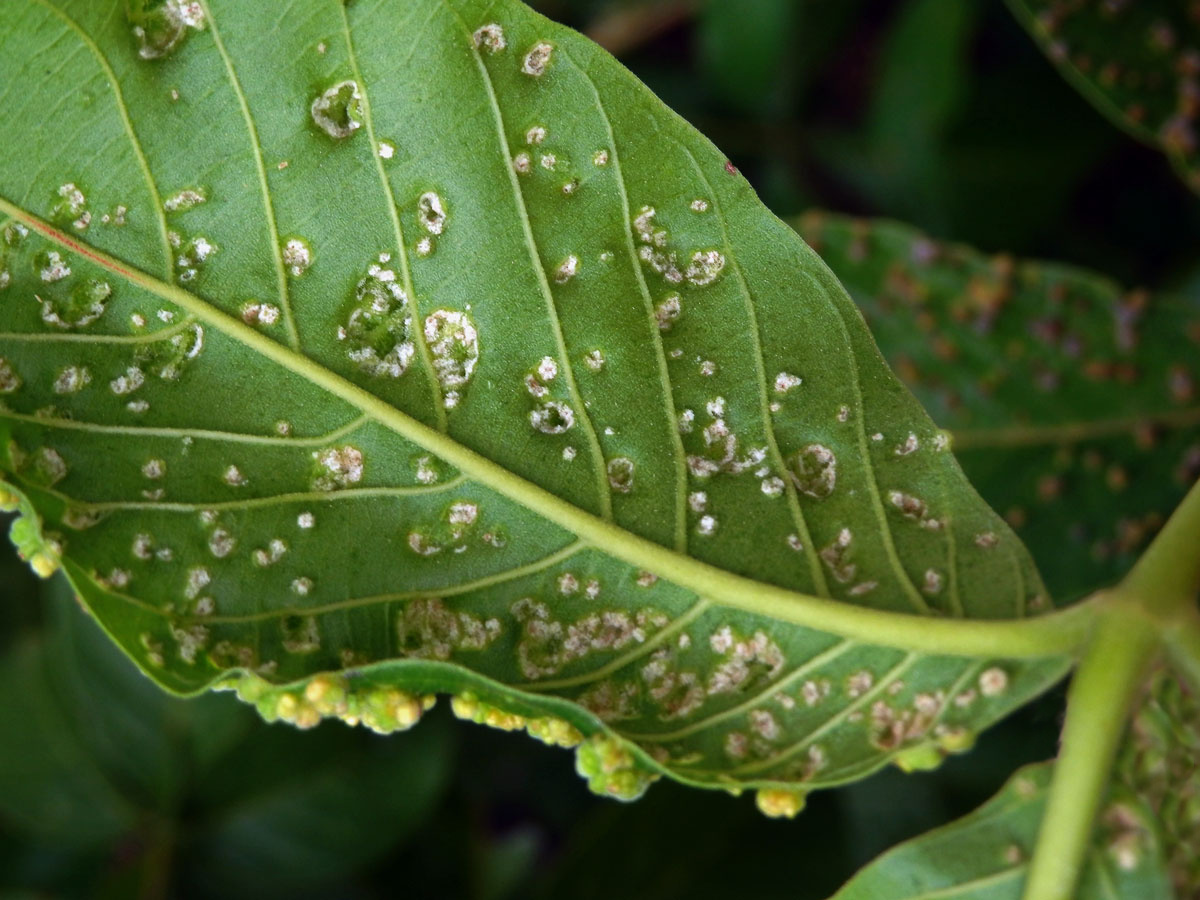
x=1054, y=634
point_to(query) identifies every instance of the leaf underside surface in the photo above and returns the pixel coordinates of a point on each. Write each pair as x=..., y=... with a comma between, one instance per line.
x=418, y=343
x=1074, y=405
x=1138, y=63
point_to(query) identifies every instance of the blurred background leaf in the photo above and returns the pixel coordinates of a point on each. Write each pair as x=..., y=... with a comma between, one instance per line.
x=985, y=856
x=1139, y=63
x=945, y=115
x=1074, y=404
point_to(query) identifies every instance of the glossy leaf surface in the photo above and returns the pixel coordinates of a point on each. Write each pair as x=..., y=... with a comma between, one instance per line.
x=418, y=342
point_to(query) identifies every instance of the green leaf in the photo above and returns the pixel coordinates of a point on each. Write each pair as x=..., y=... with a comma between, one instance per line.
x=1073, y=404
x=1138, y=63
x=416, y=348
x=1144, y=846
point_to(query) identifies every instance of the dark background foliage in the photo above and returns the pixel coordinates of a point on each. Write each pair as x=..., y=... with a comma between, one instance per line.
x=941, y=113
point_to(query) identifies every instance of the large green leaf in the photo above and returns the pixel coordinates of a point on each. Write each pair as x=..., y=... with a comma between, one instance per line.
x=1073, y=404
x=1145, y=844
x=417, y=343
x=1139, y=63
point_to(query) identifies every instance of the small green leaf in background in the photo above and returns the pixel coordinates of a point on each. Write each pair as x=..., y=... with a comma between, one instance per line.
x=1145, y=844
x=1139, y=63
x=1074, y=405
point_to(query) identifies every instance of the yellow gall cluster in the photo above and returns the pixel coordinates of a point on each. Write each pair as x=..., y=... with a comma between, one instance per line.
x=549, y=729
x=329, y=696
x=611, y=769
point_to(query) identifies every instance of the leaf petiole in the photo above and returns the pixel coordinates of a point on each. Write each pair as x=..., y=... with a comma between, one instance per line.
x=1154, y=605
x=1098, y=705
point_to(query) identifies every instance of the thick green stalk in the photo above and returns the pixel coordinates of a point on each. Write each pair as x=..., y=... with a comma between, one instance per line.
x=1155, y=604
x=1098, y=705
x=1166, y=580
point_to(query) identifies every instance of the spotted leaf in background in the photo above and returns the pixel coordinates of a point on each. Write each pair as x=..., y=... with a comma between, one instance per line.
x=1074, y=405
x=1139, y=63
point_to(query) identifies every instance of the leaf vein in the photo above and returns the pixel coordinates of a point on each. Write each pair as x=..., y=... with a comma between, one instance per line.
x=143, y=431
x=285, y=302
x=681, y=530
x=264, y=502
x=819, y=581
x=824, y=657
x=148, y=337
x=885, y=527
x=640, y=652
x=568, y=373
x=452, y=590
x=834, y=721
x=123, y=110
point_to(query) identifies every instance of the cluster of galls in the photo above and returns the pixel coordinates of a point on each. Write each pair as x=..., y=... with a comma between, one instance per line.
x=611, y=769
x=609, y=766
x=382, y=709
x=41, y=551
x=548, y=729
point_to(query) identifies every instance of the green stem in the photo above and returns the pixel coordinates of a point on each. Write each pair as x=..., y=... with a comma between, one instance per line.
x=1166, y=580
x=1098, y=705
x=1057, y=634
x=1156, y=603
